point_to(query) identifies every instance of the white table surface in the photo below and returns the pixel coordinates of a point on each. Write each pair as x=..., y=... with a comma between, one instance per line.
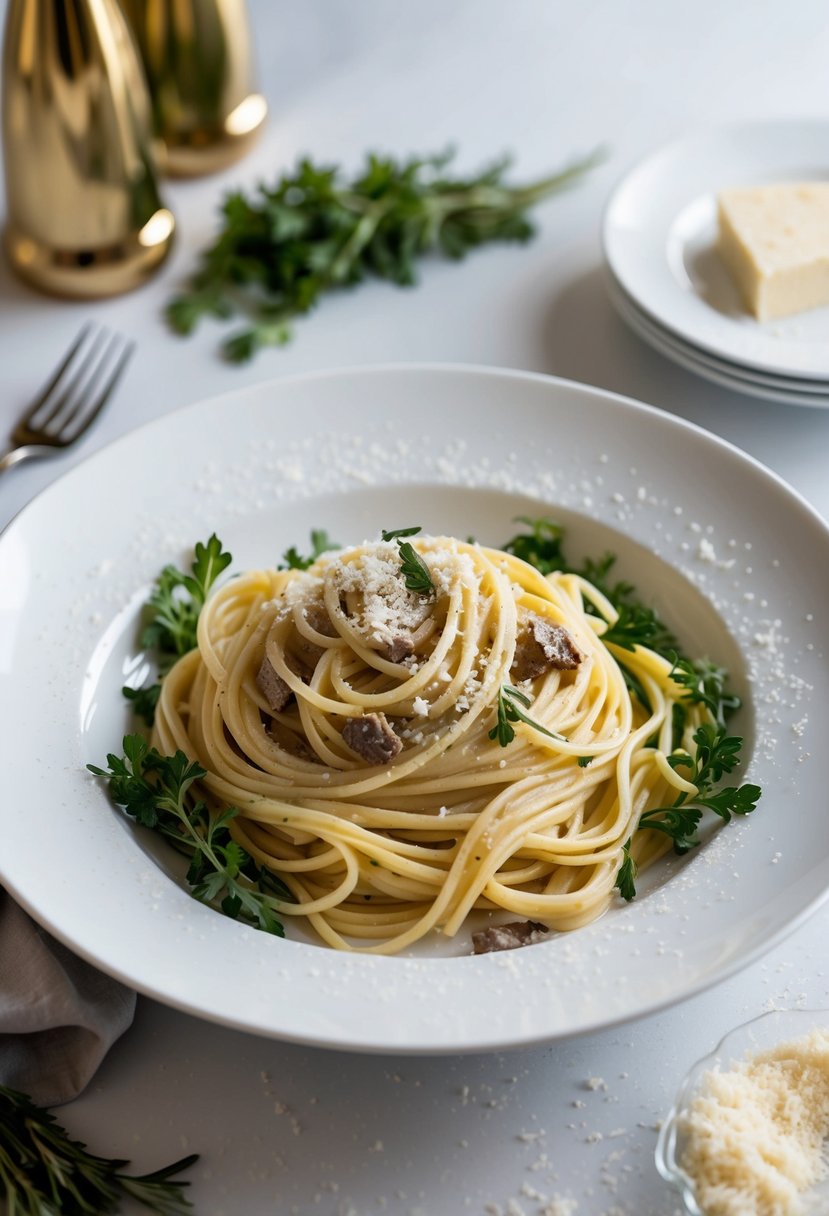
x=285, y=1129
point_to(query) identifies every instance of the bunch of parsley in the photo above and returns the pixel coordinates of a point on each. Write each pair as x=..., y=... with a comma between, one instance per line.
x=281, y=249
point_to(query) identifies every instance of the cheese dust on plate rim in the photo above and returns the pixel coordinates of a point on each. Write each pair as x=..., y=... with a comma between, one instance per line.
x=734, y=560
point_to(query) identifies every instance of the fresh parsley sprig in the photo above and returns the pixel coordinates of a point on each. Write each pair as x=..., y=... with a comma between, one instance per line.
x=321, y=543
x=156, y=791
x=509, y=710
x=704, y=683
x=637, y=623
x=541, y=546
x=716, y=754
x=283, y=248
x=45, y=1173
x=173, y=612
x=415, y=572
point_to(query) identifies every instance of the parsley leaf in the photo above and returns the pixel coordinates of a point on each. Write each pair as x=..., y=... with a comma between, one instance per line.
x=157, y=792
x=704, y=683
x=716, y=754
x=396, y=533
x=416, y=574
x=280, y=250
x=509, y=710
x=637, y=624
x=541, y=547
x=626, y=877
x=321, y=543
x=414, y=569
x=173, y=610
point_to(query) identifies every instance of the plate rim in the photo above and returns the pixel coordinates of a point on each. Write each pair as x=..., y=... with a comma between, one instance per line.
x=670, y=347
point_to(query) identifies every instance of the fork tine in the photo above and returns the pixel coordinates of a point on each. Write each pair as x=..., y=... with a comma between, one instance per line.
x=85, y=383
x=93, y=410
x=74, y=384
x=52, y=384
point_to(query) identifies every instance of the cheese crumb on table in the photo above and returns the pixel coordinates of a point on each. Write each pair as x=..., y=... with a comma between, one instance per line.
x=775, y=242
x=754, y=1138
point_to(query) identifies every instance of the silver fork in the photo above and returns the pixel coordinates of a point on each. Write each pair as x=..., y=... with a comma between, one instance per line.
x=74, y=397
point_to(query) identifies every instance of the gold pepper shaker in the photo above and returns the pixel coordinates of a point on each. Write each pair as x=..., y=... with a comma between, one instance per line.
x=84, y=214
x=199, y=63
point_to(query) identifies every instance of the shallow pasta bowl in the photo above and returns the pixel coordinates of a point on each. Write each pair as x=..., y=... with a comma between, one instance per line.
x=730, y=555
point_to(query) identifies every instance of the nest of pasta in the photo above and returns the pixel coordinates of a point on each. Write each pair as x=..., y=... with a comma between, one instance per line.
x=405, y=752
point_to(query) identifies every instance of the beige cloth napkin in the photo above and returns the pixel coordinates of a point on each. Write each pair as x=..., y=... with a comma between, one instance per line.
x=58, y=1015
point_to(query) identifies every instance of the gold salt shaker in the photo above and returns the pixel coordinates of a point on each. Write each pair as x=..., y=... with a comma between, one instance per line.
x=199, y=63
x=84, y=215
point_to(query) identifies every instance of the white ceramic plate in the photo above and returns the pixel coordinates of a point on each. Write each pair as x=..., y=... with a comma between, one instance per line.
x=659, y=234
x=693, y=360
x=734, y=559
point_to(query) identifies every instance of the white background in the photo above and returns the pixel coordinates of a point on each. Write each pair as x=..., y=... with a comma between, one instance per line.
x=283, y=1129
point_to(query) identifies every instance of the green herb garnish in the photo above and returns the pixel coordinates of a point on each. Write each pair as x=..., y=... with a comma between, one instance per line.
x=704, y=683
x=541, y=546
x=413, y=568
x=45, y=1173
x=321, y=543
x=281, y=249
x=173, y=610
x=510, y=701
x=716, y=754
x=397, y=533
x=156, y=791
x=626, y=877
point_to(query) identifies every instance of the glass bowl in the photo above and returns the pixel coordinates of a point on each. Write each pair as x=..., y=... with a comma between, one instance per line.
x=760, y=1033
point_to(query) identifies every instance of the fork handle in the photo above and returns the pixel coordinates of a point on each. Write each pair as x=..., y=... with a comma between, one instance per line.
x=17, y=455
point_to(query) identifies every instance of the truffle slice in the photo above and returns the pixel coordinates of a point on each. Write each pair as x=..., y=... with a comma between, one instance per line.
x=508, y=937
x=542, y=646
x=272, y=687
x=372, y=738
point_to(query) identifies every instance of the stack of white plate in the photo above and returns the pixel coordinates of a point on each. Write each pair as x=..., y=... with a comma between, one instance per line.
x=665, y=276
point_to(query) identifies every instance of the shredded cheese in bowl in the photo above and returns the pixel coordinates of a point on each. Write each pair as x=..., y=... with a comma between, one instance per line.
x=747, y=1135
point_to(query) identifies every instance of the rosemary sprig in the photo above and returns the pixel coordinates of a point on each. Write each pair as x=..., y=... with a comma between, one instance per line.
x=45, y=1173
x=283, y=248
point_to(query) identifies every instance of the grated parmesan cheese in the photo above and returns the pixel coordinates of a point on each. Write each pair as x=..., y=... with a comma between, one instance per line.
x=755, y=1136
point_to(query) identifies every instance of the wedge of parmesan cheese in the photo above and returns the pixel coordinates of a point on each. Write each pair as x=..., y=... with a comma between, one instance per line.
x=775, y=242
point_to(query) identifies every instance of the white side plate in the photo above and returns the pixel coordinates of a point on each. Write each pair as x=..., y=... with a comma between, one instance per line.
x=660, y=229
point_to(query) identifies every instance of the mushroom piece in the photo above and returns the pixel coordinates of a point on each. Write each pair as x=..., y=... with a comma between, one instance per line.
x=508, y=937
x=397, y=648
x=542, y=646
x=272, y=687
x=372, y=738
